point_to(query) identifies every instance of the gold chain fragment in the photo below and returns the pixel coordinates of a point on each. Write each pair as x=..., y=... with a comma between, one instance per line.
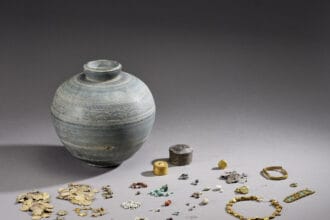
x=274, y=203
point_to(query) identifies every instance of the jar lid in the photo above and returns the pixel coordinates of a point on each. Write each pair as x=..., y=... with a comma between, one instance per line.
x=181, y=149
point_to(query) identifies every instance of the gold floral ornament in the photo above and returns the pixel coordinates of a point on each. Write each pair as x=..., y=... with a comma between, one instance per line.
x=274, y=203
x=79, y=194
x=281, y=170
x=37, y=203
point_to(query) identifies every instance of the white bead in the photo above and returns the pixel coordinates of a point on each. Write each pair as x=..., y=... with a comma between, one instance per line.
x=205, y=201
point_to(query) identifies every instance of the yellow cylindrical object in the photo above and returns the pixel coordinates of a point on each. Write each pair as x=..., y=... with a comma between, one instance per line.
x=160, y=168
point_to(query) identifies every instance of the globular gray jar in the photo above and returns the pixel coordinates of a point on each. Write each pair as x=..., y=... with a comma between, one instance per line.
x=103, y=115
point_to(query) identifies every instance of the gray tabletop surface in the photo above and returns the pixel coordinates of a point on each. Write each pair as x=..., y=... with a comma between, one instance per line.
x=247, y=82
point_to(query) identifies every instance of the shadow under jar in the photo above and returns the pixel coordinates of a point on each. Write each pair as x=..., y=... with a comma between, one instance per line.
x=103, y=115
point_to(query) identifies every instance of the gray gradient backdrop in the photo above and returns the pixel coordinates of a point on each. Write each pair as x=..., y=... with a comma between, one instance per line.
x=247, y=81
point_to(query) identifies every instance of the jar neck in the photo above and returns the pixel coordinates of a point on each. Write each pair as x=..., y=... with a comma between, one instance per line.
x=101, y=70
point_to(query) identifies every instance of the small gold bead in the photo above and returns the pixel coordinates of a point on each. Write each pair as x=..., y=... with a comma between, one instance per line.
x=222, y=164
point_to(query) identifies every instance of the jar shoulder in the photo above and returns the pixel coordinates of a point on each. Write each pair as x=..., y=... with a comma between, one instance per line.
x=126, y=99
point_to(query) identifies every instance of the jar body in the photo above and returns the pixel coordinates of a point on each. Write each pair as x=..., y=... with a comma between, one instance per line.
x=103, y=122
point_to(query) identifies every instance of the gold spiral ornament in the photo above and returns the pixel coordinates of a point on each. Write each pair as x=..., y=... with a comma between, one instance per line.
x=160, y=168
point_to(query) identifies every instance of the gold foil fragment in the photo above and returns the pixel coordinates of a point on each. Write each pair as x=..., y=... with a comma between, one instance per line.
x=37, y=203
x=242, y=190
x=62, y=212
x=107, y=192
x=79, y=194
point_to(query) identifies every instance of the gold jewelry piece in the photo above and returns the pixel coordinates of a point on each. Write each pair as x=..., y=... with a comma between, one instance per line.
x=274, y=168
x=222, y=164
x=242, y=190
x=274, y=203
x=298, y=195
x=160, y=168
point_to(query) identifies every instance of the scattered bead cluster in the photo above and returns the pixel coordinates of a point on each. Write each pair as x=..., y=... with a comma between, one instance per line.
x=130, y=204
x=83, y=195
x=162, y=191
